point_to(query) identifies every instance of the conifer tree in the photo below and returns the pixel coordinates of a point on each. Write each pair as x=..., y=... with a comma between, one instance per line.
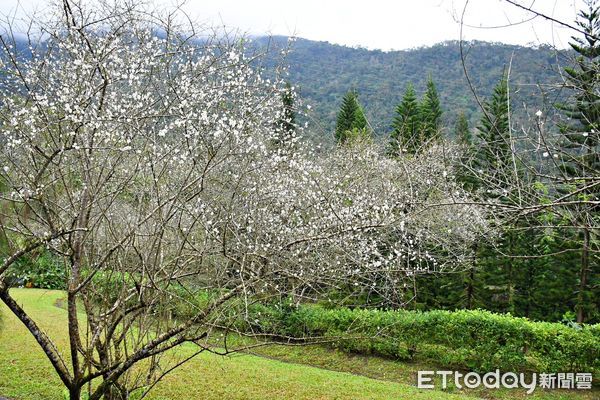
x=494, y=154
x=406, y=133
x=351, y=120
x=464, y=174
x=491, y=162
x=461, y=130
x=465, y=171
x=581, y=148
x=431, y=112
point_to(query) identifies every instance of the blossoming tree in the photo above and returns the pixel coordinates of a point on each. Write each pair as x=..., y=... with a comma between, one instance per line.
x=144, y=156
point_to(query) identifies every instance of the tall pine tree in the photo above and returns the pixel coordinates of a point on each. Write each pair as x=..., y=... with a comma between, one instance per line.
x=491, y=164
x=406, y=133
x=351, y=120
x=465, y=173
x=493, y=133
x=581, y=151
x=431, y=112
x=461, y=130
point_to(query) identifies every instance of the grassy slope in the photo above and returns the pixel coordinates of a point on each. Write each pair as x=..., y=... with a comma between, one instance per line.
x=403, y=372
x=26, y=374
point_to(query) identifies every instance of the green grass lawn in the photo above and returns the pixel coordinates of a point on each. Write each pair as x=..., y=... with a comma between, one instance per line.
x=275, y=372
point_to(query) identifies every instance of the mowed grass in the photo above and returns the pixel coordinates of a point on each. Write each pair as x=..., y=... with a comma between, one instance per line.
x=404, y=372
x=273, y=372
x=26, y=374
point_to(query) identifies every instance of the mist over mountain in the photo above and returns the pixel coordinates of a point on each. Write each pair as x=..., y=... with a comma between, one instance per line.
x=324, y=72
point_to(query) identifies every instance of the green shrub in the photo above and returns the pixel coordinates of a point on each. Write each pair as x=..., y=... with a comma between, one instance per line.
x=40, y=270
x=468, y=339
x=471, y=339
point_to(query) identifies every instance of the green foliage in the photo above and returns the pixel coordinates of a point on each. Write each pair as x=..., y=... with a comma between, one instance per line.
x=185, y=304
x=464, y=137
x=324, y=72
x=178, y=301
x=474, y=339
x=581, y=153
x=462, y=133
x=431, y=112
x=351, y=120
x=40, y=270
x=407, y=126
x=583, y=111
x=357, y=135
x=490, y=168
x=416, y=124
x=540, y=286
x=494, y=153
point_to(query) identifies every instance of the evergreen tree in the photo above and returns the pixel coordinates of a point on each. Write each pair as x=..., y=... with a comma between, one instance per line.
x=466, y=170
x=464, y=174
x=431, y=112
x=461, y=130
x=351, y=120
x=406, y=133
x=494, y=150
x=491, y=164
x=582, y=151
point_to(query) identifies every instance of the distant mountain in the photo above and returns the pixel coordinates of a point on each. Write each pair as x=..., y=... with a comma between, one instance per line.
x=325, y=71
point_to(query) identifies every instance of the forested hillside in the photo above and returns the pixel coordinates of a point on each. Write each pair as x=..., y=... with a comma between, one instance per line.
x=324, y=72
x=400, y=94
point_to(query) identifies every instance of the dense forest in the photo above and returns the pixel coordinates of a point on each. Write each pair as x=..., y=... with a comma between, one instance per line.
x=324, y=72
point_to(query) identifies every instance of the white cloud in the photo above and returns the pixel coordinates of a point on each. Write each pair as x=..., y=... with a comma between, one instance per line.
x=382, y=24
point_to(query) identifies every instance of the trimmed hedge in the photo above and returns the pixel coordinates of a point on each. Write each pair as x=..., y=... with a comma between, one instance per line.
x=473, y=339
x=477, y=340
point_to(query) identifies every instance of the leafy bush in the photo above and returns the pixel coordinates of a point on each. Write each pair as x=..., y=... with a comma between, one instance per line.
x=468, y=339
x=41, y=270
x=472, y=339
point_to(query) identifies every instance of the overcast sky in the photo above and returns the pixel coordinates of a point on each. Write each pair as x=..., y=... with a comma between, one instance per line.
x=382, y=24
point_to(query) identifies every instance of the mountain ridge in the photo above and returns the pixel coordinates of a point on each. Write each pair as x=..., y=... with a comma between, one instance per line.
x=324, y=72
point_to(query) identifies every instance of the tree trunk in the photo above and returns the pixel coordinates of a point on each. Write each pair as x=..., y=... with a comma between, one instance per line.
x=530, y=279
x=40, y=336
x=470, y=289
x=471, y=279
x=415, y=291
x=511, y=285
x=583, y=276
x=75, y=393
